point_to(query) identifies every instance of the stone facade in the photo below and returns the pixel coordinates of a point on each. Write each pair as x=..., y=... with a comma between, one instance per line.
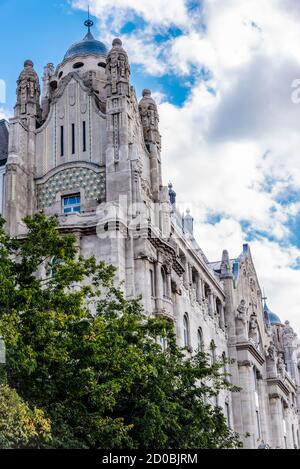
x=84, y=149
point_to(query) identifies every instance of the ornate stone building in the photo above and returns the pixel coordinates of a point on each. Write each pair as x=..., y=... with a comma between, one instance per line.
x=86, y=150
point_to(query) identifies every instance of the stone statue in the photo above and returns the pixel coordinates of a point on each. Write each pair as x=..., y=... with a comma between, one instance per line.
x=288, y=335
x=242, y=312
x=272, y=351
x=253, y=330
x=281, y=365
x=48, y=73
x=150, y=119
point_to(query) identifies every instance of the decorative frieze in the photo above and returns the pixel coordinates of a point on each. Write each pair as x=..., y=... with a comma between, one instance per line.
x=92, y=182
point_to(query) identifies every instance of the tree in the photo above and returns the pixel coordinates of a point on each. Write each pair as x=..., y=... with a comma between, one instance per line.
x=89, y=358
x=20, y=426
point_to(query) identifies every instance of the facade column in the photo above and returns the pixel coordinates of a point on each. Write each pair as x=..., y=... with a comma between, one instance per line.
x=263, y=410
x=276, y=417
x=222, y=318
x=186, y=273
x=210, y=303
x=248, y=406
x=199, y=289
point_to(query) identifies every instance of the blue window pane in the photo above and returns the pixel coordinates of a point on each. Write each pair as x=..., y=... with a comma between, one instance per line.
x=71, y=204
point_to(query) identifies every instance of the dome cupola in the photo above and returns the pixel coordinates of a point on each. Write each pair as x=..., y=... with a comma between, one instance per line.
x=272, y=317
x=88, y=46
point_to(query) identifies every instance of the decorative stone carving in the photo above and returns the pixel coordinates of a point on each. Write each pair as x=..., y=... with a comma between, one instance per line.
x=253, y=330
x=150, y=119
x=272, y=352
x=118, y=69
x=288, y=335
x=242, y=312
x=28, y=92
x=48, y=73
x=75, y=178
x=281, y=368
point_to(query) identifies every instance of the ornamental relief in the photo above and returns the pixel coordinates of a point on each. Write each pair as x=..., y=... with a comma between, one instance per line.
x=74, y=178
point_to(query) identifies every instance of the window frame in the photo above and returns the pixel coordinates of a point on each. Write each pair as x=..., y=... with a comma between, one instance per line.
x=186, y=331
x=72, y=206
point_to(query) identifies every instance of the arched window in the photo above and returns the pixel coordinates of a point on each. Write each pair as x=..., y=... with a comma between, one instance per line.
x=200, y=340
x=186, y=331
x=163, y=343
x=165, y=283
x=152, y=283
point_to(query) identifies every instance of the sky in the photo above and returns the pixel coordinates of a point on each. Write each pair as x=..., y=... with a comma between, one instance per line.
x=224, y=73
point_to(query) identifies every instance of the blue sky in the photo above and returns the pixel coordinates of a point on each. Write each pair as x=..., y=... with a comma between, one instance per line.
x=43, y=31
x=222, y=74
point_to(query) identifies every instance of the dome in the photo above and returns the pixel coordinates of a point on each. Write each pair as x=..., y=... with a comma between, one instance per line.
x=272, y=317
x=88, y=46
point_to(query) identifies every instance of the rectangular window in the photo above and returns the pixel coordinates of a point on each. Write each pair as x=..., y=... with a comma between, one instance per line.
x=73, y=139
x=62, y=146
x=228, y=414
x=152, y=283
x=71, y=204
x=84, y=136
x=258, y=424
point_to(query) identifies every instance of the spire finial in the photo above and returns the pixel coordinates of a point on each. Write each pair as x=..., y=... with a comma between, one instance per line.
x=264, y=298
x=89, y=23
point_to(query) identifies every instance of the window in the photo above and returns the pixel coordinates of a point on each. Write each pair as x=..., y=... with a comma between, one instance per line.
x=228, y=414
x=200, y=340
x=224, y=363
x=163, y=343
x=62, y=146
x=258, y=424
x=102, y=64
x=60, y=74
x=73, y=139
x=78, y=65
x=152, y=286
x=84, y=136
x=54, y=263
x=213, y=352
x=293, y=434
x=219, y=308
x=255, y=378
x=186, y=331
x=71, y=204
x=164, y=280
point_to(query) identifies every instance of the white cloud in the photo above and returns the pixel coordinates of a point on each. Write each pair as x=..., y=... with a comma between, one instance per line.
x=233, y=152
x=4, y=114
x=160, y=12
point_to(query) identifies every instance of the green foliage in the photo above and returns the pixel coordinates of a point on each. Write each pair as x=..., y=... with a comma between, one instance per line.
x=20, y=426
x=89, y=358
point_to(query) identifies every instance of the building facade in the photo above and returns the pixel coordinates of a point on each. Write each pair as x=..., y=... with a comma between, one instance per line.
x=84, y=149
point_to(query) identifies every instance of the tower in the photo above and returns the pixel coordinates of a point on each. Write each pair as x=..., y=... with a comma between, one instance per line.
x=89, y=144
x=20, y=169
